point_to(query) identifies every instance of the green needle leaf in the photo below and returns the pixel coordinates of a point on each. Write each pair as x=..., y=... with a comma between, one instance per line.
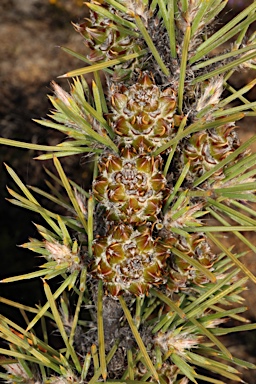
x=60, y=326
x=23, y=344
x=177, y=186
x=117, y=19
x=43, y=310
x=150, y=44
x=95, y=357
x=224, y=56
x=138, y=339
x=26, y=276
x=70, y=192
x=171, y=29
x=38, y=147
x=169, y=302
x=195, y=264
x=103, y=65
x=238, y=263
x=101, y=331
x=225, y=68
x=183, y=67
x=31, y=198
x=78, y=308
x=202, y=11
x=225, y=32
x=185, y=368
x=213, y=338
x=86, y=366
x=163, y=11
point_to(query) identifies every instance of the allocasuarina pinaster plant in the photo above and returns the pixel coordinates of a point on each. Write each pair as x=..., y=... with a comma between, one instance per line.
x=146, y=283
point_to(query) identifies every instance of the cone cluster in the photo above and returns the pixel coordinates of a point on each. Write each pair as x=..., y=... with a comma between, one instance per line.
x=144, y=240
x=132, y=188
x=104, y=39
x=137, y=249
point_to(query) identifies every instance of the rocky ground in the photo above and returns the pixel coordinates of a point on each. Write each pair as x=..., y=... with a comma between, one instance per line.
x=31, y=32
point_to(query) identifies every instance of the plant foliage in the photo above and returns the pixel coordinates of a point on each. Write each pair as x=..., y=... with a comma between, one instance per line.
x=147, y=284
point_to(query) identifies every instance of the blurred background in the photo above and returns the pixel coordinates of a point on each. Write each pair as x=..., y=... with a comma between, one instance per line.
x=31, y=33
